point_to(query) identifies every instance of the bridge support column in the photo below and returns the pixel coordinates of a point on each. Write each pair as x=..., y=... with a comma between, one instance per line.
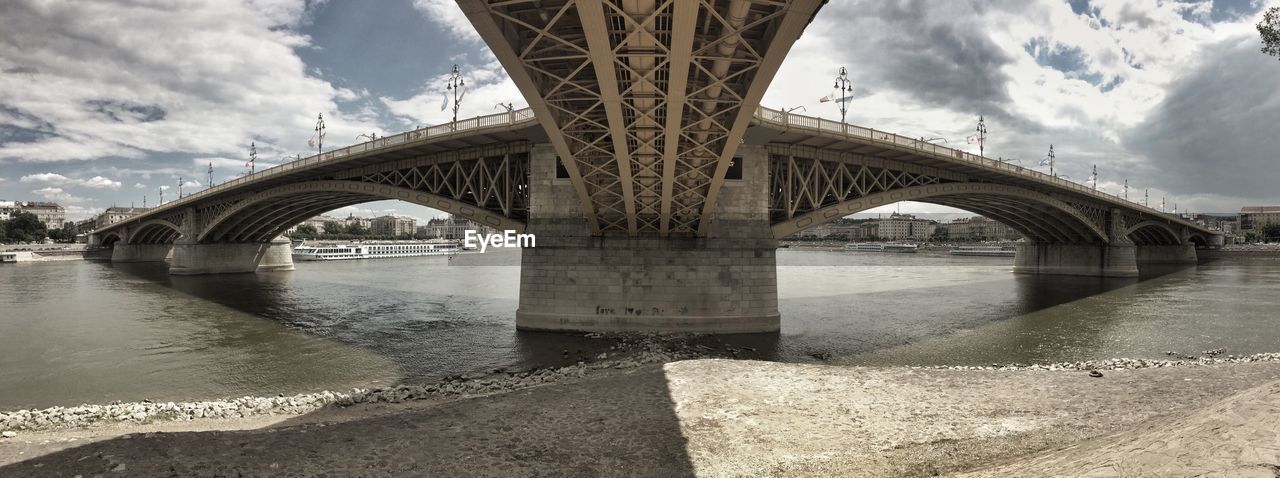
x=725, y=282
x=190, y=258
x=140, y=252
x=1175, y=254
x=1098, y=260
x=649, y=284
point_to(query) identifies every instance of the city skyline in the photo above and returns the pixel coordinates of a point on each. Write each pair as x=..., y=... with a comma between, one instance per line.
x=1126, y=86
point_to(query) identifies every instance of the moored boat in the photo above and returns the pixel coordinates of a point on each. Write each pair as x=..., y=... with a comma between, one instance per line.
x=881, y=247
x=985, y=251
x=331, y=252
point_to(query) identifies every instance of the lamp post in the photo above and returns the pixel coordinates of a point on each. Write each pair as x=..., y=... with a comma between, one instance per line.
x=1094, y=177
x=1126, y=190
x=253, y=156
x=320, y=133
x=982, y=137
x=210, y=175
x=179, y=187
x=845, y=90
x=1052, y=159
x=370, y=136
x=456, y=84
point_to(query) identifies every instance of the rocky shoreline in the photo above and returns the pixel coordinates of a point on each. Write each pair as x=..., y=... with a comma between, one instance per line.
x=632, y=352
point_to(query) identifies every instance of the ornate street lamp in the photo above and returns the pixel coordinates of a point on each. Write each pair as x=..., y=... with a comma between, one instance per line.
x=845, y=90
x=982, y=137
x=456, y=85
x=253, y=156
x=320, y=133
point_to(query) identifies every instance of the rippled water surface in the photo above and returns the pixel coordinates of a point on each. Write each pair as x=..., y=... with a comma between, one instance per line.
x=76, y=332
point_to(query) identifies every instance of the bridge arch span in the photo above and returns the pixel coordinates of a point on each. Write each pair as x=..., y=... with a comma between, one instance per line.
x=110, y=238
x=1153, y=233
x=155, y=231
x=1038, y=216
x=267, y=214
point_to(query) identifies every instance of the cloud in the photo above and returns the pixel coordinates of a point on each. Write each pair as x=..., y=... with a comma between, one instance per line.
x=58, y=195
x=447, y=14
x=139, y=186
x=487, y=86
x=1215, y=131
x=100, y=182
x=191, y=184
x=96, y=182
x=164, y=188
x=97, y=84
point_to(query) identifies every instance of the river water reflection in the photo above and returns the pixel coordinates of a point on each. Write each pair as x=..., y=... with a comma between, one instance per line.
x=78, y=332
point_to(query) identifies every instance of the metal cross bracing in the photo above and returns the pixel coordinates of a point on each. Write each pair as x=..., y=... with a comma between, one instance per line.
x=489, y=185
x=800, y=185
x=809, y=186
x=645, y=101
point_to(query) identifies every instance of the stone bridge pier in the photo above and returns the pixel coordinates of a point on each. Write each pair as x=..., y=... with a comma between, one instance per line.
x=194, y=258
x=725, y=282
x=1116, y=257
x=171, y=240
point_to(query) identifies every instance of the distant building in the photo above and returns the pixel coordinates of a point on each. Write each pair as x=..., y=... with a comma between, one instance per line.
x=51, y=214
x=116, y=214
x=353, y=219
x=898, y=227
x=393, y=226
x=316, y=222
x=86, y=226
x=453, y=227
x=978, y=228
x=1254, y=218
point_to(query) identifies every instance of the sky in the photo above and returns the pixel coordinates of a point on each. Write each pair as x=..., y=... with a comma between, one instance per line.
x=106, y=102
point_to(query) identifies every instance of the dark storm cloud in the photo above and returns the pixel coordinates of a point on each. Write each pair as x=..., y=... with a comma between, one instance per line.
x=1216, y=131
x=938, y=52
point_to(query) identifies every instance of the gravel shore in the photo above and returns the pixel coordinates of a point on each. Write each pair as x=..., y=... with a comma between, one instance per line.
x=647, y=411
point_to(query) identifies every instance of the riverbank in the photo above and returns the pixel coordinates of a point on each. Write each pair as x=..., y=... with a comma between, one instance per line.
x=653, y=411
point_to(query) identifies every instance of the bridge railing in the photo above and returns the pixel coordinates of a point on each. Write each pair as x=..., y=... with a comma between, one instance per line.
x=795, y=121
x=505, y=119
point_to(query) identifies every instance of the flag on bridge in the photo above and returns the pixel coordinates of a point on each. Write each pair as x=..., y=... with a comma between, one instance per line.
x=972, y=139
x=445, y=104
x=824, y=99
x=1044, y=162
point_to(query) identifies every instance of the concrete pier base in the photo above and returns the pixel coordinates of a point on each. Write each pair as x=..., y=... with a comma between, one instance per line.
x=649, y=285
x=1177, y=254
x=194, y=258
x=1095, y=260
x=140, y=252
x=278, y=256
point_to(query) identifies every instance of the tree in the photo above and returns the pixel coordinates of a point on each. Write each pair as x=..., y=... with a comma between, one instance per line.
x=305, y=231
x=24, y=227
x=66, y=234
x=1271, y=232
x=356, y=229
x=1269, y=29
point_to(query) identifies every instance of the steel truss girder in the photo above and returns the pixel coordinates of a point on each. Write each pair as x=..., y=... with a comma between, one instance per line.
x=489, y=185
x=808, y=187
x=645, y=101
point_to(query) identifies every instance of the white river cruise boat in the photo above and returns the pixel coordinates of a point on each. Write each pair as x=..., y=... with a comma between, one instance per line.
x=880, y=247
x=333, y=252
x=987, y=251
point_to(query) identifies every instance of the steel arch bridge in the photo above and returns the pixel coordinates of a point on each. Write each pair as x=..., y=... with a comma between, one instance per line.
x=656, y=183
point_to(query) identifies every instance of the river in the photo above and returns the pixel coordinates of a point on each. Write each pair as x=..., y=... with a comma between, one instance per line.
x=76, y=332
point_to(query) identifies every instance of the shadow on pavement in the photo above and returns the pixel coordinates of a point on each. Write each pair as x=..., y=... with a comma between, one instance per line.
x=623, y=425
